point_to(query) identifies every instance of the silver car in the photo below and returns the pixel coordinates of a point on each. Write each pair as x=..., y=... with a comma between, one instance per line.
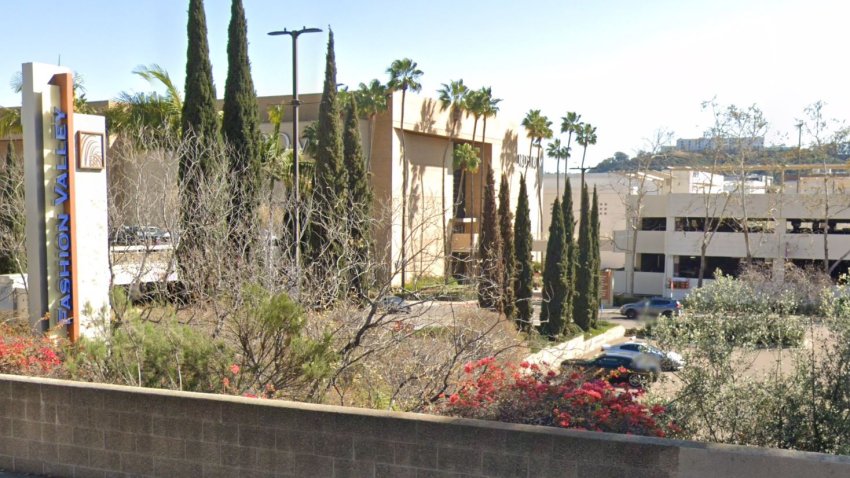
x=652, y=308
x=670, y=361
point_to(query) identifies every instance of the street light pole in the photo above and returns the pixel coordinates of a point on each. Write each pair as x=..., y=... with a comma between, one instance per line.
x=295, y=145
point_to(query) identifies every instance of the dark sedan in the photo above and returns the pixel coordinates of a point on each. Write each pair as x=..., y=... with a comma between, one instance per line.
x=638, y=370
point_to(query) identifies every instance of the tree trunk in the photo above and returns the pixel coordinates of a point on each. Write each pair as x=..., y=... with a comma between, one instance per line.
x=558, y=175
x=472, y=215
x=403, y=196
x=635, y=228
x=702, y=250
x=483, y=162
x=446, y=247
x=825, y=222
x=567, y=158
x=539, y=191
x=371, y=141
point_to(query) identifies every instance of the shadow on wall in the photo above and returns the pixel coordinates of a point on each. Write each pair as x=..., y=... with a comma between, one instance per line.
x=508, y=155
x=426, y=117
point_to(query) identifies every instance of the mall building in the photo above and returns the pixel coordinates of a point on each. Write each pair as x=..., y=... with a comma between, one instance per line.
x=433, y=181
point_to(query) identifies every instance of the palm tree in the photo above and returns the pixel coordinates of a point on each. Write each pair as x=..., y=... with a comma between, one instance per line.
x=555, y=150
x=531, y=123
x=452, y=97
x=467, y=159
x=371, y=101
x=10, y=118
x=570, y=124
x=148, y=110
x=155, y=73
x=544, y=131
x=490, y=108
x=404, y=75
x=474, y=106
x=586, y=135
x=10, y=122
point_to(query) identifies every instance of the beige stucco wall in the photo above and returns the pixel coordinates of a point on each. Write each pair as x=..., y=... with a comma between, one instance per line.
x=612, y=189
x=429, y=141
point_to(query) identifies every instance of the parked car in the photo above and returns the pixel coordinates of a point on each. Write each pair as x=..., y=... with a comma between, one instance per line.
x=652, y=308
x=670, y=361
x=638, y=370
x=140, y=235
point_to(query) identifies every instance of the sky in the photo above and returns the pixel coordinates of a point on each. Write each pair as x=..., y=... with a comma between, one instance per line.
x=629, y=68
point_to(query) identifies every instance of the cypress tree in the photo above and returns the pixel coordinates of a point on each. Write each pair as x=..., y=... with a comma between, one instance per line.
x=570, y=249
x=330, y=181
x=596, y=261
x=508, y=259
x=199, y=127
x=552, y=313
x=360, y=192
x=583, y=305
x=490, y=249
x=522, y=253
x=240, y=129
x=199, y=116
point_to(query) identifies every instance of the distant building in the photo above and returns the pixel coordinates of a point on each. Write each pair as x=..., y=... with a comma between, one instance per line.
x=776, y=224
x=701, y=145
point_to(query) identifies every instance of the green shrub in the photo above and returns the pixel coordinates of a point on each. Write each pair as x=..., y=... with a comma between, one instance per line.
x=755, y=291
x=165, y=354
x=278, y=357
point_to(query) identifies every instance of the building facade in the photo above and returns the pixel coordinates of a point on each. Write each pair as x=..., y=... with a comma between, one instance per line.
x=736, y=220
x=424, y=143
x=612, y=189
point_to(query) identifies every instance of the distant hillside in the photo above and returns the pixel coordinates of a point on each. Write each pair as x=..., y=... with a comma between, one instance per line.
x=622, y=162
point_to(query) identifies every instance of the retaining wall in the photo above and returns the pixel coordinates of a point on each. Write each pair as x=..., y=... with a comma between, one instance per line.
x=575, y=347
x=61, y=428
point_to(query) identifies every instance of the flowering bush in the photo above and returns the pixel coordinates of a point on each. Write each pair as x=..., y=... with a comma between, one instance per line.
x=22, y=353
x=527, y=394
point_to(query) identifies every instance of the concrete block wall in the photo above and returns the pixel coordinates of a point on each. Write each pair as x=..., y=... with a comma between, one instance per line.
x=60, y=428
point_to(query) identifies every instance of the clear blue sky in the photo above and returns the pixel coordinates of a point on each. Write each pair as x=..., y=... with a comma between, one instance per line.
x=628, y=67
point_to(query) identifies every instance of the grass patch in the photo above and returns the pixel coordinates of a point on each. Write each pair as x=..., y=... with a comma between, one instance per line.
x=536, y=342
x=601, y=327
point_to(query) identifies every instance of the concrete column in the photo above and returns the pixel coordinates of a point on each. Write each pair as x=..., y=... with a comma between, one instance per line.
x=669, y=238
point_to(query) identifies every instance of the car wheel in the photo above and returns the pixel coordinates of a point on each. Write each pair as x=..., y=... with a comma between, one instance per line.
x=631, y=314
x=667, y=314
x=635, y=380
x=667, y=365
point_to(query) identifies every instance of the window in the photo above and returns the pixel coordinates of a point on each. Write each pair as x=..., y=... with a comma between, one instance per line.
x=653, y=224
x=651, y=263
x=690, y=224
x=610, y=361
x=688, y=266
x=816, y=226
